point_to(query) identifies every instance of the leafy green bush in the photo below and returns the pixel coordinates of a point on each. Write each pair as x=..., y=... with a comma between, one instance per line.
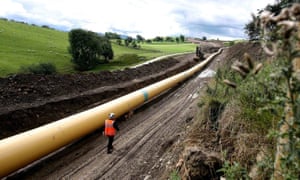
x=234, y=171
x=41, y=68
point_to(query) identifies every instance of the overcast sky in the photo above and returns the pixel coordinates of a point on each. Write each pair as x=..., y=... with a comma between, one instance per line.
x=222, y=19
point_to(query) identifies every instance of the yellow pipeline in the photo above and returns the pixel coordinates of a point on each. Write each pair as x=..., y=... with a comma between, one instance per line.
x=24, y=148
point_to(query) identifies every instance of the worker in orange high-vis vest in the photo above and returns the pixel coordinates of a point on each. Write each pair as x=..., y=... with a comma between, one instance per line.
x=110, y=131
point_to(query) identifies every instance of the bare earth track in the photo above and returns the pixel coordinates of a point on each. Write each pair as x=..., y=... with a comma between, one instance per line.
x=146, y=147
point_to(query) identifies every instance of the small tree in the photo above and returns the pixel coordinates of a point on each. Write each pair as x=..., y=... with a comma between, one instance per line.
x=140, y=38
x=111, y=35
x=252, y=29
x=84, y=48
x=158, y=39
x=106, y=49
x=134, y=45
x=182, y=38
x=128, y=40
x=169, y=39
x=119, y=42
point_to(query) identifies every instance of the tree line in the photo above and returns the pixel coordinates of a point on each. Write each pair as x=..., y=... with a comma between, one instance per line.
x=134, y=42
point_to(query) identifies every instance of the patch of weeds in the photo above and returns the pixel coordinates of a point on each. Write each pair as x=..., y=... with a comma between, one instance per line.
x=234, y=171
x=174, y=175
x=41, y=68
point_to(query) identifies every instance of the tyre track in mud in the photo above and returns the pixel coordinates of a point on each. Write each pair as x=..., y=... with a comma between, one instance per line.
x=141, y=145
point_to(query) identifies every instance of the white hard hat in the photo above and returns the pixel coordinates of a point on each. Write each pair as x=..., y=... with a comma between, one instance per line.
x=112, y=116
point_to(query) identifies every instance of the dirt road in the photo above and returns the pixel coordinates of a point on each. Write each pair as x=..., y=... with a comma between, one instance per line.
x=144, y=147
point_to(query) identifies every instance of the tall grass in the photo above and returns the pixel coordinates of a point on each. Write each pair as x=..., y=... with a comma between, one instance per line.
x=250, y=95
x=246, y=115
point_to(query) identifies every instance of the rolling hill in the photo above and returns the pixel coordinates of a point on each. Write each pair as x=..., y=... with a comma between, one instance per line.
x=22, y=45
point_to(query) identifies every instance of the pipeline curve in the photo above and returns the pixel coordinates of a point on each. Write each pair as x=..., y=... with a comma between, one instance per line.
x=141, y=142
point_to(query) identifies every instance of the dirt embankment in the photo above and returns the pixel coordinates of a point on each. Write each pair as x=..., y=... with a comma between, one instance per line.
x=213, y=132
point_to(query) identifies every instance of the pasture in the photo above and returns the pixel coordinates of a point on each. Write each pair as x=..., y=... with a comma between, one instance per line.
x=22, y=45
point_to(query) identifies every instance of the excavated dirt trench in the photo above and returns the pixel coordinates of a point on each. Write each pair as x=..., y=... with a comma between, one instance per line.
x=29, y=101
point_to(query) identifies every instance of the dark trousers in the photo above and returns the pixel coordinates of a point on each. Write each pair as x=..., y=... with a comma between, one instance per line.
x=110, y=142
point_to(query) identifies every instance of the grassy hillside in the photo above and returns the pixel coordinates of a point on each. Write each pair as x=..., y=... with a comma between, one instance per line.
x=24, y=45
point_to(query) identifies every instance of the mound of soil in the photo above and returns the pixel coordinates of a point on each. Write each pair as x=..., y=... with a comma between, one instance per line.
x=237, y=51
x=29, y=101
x=28, y=88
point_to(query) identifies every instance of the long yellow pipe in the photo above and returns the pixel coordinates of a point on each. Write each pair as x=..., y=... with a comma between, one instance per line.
x=24, y=148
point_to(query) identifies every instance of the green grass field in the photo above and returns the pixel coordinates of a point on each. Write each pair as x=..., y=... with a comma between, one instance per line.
x=24, y=45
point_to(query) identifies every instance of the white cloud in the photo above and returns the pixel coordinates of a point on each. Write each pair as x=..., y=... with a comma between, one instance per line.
x=223, y=18
x=9, y=7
